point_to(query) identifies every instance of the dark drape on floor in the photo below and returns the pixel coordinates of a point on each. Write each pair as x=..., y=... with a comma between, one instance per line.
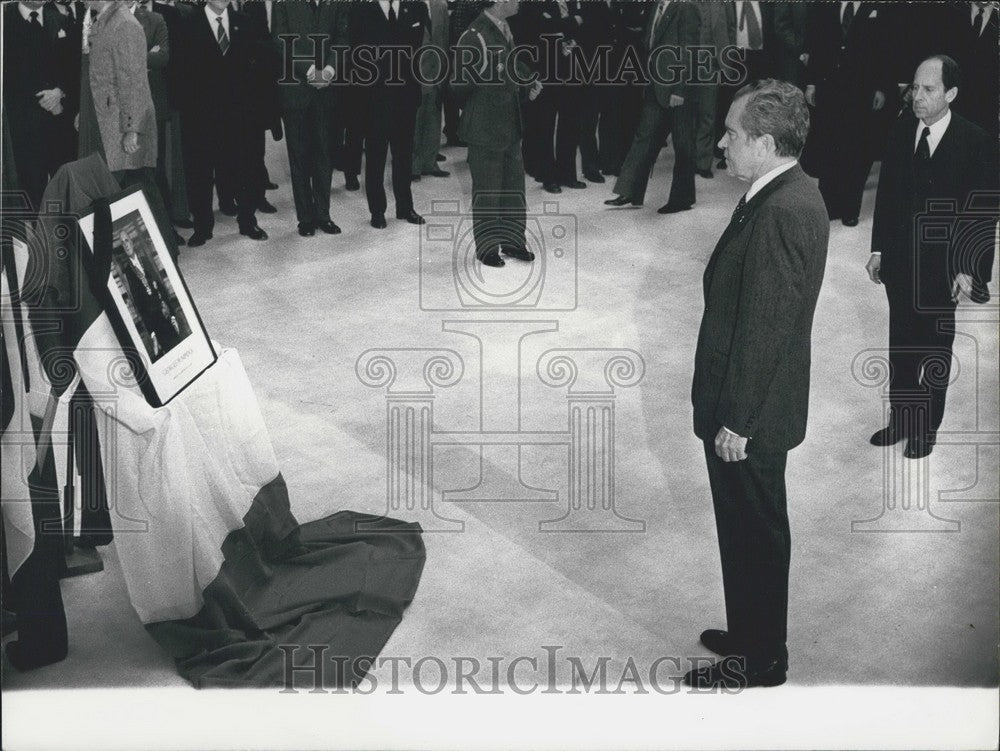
x=335, y=587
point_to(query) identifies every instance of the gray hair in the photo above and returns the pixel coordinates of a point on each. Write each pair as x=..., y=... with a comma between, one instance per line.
x=776, y=108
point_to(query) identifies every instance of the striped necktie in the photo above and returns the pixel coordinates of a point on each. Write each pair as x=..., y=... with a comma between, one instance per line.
x=221, y=36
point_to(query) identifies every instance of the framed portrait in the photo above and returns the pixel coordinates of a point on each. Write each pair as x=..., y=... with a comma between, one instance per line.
x=145, y=297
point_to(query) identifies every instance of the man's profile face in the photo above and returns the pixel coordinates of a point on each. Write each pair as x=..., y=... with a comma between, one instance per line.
x=930, y=99
x=740, y=150
x=33, y=5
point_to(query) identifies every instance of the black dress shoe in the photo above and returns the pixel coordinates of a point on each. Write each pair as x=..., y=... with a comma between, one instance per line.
x=351, y=182
x=184, y=223
x=849, y=221
x=575, y=184
x=307, y=230
x=410, y=216
x=706, y=173
x=254, y=232
x=378, y=221
x=271, y=186
x=521, y=254
x=673, y=208
x=887, y=436
x=724, y=645
x=610, y=172
x=594, y=177
x=414, y=178
x=734, y=673
x=492, y=258
x=551, y=188
x=621, y=201
x=178, y=240
x=266, y=207
x=918, y=448
x=228, y=208
x=440, y=158
x=436, y=173
x=199, y=238
x=329, y=227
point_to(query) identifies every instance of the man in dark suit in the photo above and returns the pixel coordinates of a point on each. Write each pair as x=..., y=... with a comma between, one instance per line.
x=977, y=35
x=717, y=32
x=848, y=81
x=492, y=126
x=35, y=84
x=307, y=107
x=751, y=374
x=148, y=299
x=939, y=155
x=389, y=103
x=217, y=115
x=673, y=27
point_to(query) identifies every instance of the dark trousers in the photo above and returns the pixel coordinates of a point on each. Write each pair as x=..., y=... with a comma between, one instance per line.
x=554, y=134
x=498, y=207
x=620, y=110
x=751, y=518
x=655, y=124
x=390, y=126
x=217, y=155
x=354, y=116
x=38, y=151
x=597, y=139
x=310, y=158
x=703, y=105
x=920, y=344
x=257, y=149
x=162, y=181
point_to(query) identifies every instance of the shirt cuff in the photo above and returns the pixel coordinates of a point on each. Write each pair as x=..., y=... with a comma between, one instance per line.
x=876, y=252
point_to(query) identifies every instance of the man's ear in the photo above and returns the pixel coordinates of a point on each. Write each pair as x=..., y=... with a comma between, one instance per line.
x=950, y=94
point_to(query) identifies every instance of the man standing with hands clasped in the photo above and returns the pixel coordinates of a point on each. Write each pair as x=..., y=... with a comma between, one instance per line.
x=751, y=378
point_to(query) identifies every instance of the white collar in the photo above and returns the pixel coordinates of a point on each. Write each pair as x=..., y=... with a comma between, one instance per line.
x=767, y=177
x=212, y=15
x=937, y=131
x=26, y=13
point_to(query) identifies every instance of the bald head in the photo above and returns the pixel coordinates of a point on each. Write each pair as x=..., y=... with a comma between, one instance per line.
x=935, y=86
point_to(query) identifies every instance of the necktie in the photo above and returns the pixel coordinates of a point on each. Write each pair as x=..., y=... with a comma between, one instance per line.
x=221, y=36
x=563, y=9
x=739, y=212
x=749, y=22
x=507, y=34
x=923, y=152
x=977, y=25
x=33, y=19
x=392, y=11
x=845, y=22
x=314, y=5
x=656, y=21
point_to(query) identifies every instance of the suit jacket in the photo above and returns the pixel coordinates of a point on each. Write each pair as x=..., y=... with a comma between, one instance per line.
x=979, y=95
x=436, y=35
x=173, y=16
x=679, y=28
x=751, y=371
x=368, y=26
x=491, y=111
x=73, y=50
x=856, y=66
x=717, y=29
x=965, y=160
x=34, y=63
x=300, y=20
x=767, y=29
x=120, y=88
x=790, y=19
x=154, y=26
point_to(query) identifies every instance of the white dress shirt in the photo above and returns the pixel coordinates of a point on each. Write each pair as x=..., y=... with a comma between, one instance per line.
x=384, y=4
x=760, y=182
x=843, y=7
x=937, y=131
x=987, y=12
x=26, y=13
x=743, y=35
x=212, y=16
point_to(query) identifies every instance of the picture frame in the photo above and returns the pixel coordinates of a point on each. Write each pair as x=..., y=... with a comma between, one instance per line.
x=146, y=298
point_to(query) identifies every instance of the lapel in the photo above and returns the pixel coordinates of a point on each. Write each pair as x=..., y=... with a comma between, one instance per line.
x=203, y=26
x=665, y=21
x=947, y=146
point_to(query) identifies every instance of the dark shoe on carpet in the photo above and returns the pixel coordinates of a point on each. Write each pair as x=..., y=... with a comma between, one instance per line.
x=918, y=448
x=228, y=208
x=178, y=240
x=184, y=223
x=621, y=201
x=271, y=186
x=410, y=216
x=849, y=221
x=351, y=182
x=307, y=230
x=594, y=177
x=887, y=436
x=414, y=178
x=673, y=208
x=492, y=259
x=610, y=172
x=706, y=173
x=440, y=158
x=723, y=644
x=199, y=238
x=436, y=173
x=329, y=228
x=266, y=207
x=28, y=657
x=551, y=188
x=575, y=184
x=378, y=221
x=521, y=254
x=254, y=232
x=734, y=673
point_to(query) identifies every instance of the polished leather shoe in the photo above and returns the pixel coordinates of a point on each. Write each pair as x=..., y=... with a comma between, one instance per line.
x=178, y=240
x=254, y=233
x=271, y=186
x=184, y=223
x=328, y=227
x=887, y=436
x=435, y=173
x=720, y=642
x=228, y=208
x=551, y=188
x=410, y=216
x=440, y=158
x=414, y=178
x=849, y=221
x=378, y=221
x=594, y=177
x=621, y=201
x=673, y=208
x=575, y=184
x=266, y=207
x=734, y=673
x=610, y=172
x=706, y=173
x=351, y=182
x=918, y=448
x=521, y=254
x=307, y=230
x=492, y=258
x=199, y=238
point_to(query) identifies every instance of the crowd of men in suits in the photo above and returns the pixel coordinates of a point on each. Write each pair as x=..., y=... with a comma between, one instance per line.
x=213, y=72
